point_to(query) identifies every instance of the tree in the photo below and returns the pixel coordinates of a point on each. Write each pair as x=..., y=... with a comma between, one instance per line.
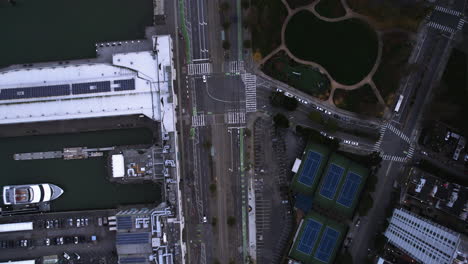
x=245, y=4
x=247, y=132
x=231, y=221
x=371, y=182
x=207, y=144
x=213, y=188
x=344, y=257
x=290, y=103
x=252, y=18
x=224, y=6
x=315, y=117
x=380, y=242
x=278, y=99
x=331, y=126
x=247, y=44
x=226, y=45
x=365, y=204
x=226, y=25
x=281, y=121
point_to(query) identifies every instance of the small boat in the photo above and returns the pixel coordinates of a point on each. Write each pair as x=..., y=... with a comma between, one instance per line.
x=30, y=193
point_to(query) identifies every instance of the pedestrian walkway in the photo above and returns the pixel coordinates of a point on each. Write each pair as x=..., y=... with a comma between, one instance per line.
x=410, y=152
x=250, y=82
x=398, y=133
x=379, y=142
x=199, y=68
x=198, y=120
x=393, y=158
x=447, y=11
x=236, y=67
x=236, y=117
x=461, y=22
x=441, y=27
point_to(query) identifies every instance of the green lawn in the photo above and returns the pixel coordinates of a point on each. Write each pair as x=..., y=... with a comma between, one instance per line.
x=300, y=76
x=298, y=3
x=330, y=8
x=362, y=101
x=346, y=49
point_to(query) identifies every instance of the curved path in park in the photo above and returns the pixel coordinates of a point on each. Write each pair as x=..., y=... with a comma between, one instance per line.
x=333, y=84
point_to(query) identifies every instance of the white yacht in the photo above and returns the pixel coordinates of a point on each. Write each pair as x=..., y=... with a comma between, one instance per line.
x=30, y=193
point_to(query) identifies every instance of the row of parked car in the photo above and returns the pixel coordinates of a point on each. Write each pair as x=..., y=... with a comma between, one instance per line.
x=64, y=240
x=13, y=244
x=62, y=223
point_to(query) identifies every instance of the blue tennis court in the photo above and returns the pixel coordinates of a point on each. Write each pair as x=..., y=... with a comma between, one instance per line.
x=309, y=236
x=349, y=189
x=310, y=168
x=331, y=181
x=327, y=244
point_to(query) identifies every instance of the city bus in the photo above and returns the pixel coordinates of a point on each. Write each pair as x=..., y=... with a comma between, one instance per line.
x=398, y=105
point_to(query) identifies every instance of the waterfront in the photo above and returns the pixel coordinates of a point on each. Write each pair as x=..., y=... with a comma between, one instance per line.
x=60, y=30
x=84, y=181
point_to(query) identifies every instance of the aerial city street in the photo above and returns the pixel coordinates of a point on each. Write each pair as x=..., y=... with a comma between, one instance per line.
x=234, y=131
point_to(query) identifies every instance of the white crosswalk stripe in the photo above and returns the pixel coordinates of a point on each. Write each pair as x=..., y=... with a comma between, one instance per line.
x=236, y=67
x=234, y=117
x=383, y=128
x=199, y=68
x=198, y=120
x=398, y=133
x=441, y=27
x=447, y=11
x=461, y=22
x=250, y=82
x=410, y=152
x=393, y=158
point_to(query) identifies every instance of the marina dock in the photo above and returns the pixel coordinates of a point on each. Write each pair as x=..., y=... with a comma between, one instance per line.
x=66, y=154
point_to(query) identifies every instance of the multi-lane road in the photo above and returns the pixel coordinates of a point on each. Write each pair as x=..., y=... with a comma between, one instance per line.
x=216, y=95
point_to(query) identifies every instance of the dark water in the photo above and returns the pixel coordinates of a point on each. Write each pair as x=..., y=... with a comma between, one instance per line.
x=50, y=30
x=84, y=181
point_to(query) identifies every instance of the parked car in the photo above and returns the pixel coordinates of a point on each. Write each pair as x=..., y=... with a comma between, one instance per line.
x=47, y=241
x=66, y=256
x=75, y=240
x=358, y=222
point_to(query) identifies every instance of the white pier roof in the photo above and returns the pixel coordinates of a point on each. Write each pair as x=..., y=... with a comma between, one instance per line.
x=134, y=83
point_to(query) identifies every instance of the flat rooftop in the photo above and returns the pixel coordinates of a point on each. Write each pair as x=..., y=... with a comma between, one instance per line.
x=134, y=83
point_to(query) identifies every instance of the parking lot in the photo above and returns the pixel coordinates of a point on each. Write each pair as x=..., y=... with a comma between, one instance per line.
x=274, y=219
x=74, y=237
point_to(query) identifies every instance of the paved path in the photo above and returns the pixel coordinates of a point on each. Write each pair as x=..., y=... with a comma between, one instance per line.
x=333, y=83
